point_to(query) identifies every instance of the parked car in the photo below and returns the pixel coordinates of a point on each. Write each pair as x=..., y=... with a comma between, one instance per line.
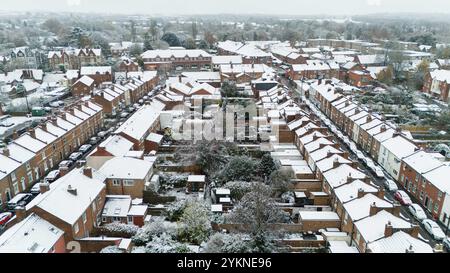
x=75, y=156
x=390, y=185
x=417, y=211
x=21, y=199
x=84, y=148
x=433, y=228
x=360, y=155
x=141, y=101
x=446, y=243
x=5, y=217
x=379, y=172
x=346, y=140
x=124, y=114
x=52, y=176
x=65, y=164
x=36, y=189
x=131, y=109
x=94, y=140
x=403, y=198
x=102, y=134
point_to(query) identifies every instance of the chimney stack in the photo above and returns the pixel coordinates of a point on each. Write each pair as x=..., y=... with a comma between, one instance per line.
x=336, y=163
x=360, y=193
x=32, y=132
x=179, y=79
x=380, y=193
x=6, y=152
x=414, y=232
x=87, y=171
x=44, y=187
x=383, y=128
x=373, y=209
x=20, y=212
x=349, y=178
x=63, y=171
x=15, y=135
x=388, y=230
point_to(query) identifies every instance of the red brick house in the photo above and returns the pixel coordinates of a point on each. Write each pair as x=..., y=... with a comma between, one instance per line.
x=83, y=86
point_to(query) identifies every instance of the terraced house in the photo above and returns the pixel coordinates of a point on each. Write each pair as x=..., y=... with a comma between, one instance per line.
x=31, y=155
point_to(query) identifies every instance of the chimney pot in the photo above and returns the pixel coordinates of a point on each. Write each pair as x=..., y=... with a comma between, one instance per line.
x=6, y=152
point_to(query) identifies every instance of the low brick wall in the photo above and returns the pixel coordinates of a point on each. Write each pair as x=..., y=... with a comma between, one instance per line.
x=150, y=197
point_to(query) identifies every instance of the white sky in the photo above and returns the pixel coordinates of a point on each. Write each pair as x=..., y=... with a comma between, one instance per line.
x=275, y=7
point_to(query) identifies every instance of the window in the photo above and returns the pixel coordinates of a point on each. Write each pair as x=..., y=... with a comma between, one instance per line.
x=421, y=195
x=103, y=219
x=76, y=228
x=436, y=207
x=84, y=217
x=439, y=195
x=94, y=207
x=130, y=219
x=13, y=177
x=116, y=182
x=128, y=183
x=16, y=188
x=28, y=166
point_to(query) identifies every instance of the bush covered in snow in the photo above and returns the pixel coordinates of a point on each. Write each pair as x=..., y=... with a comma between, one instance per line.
x=228, y=243
x=196, y=226
x=111, y=249
x=169, y=181
x=175, y=210
x=118, y=230
x=238, y=168
x=239, y=188
x=164, y=243
x=153, y=229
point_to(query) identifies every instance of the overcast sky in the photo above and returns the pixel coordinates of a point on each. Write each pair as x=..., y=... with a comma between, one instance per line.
x=275, y=7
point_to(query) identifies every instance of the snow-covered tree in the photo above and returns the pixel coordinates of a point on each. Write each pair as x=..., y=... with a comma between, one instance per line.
x=228, y=243
x=196, y=223
x=239, y=188
x=257, y=212
x=281, y=179
x=238, y=168
x=175, y=210
x=266, y=166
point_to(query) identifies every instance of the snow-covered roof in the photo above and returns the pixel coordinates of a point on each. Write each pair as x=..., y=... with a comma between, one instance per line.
x=138, y=210
x=326, y=164
x=311, y=65
x=318, y=216
x=399, y=146
x=141, y=121
x=31, y=235
x=196, y=178
x=126, y=168
x=422, y=162
x=399, y=242
x=86, y=80
x=19, y=153
x=87, y=190
x=372, y=228
x=341, y=247
x=177, y=53
x=350, y=191
x=7, y=165
x=360, y=208
x=154, y=137
x=226, y=59
x=116, y=206
x=371, y=59
x=30, y=143
x=338, y=176
x=439, y=178
x=92, y=70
